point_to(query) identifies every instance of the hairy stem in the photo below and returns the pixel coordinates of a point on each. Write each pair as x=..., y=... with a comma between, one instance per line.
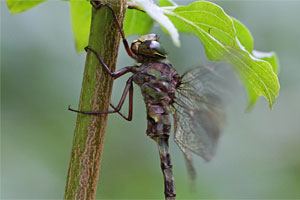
x=95, y=95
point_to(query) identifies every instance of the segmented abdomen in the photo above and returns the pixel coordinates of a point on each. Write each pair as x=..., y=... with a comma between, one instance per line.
x=159, y=123
x=158, y=82
x=158, y=129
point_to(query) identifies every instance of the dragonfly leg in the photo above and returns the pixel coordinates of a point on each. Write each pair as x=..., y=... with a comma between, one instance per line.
x=116, y=74
x=129, y=117
x=97, y=5
x=128, y=88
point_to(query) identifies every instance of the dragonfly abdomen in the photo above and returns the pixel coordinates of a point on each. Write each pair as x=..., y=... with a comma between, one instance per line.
x=159, y=123
x=158, y=82
x=166, y=167
x=159, y=126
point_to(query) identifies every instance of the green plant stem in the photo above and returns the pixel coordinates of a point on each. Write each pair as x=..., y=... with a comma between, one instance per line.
x=95, y=95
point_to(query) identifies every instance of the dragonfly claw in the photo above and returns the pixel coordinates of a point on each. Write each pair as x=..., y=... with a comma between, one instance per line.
x=70, y=109
x=97, y=4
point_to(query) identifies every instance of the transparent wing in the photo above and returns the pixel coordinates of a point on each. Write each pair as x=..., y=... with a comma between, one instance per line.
x=198, y=111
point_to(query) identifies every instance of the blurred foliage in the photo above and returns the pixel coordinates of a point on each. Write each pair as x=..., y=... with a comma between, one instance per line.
x=81, y=22
x=41, y=75
x=142, y=23
x=16, y=6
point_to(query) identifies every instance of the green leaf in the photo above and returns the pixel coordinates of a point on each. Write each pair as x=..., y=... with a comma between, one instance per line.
x=246, y=40
x=16, y=6
x=209, y=23
x=157, y=14
x=257, y=75
x=81, y=22
x=217, y=31
x=271, y=58
x=137, y=22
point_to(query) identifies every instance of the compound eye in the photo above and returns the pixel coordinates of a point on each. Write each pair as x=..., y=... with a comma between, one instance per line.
x=158, y=50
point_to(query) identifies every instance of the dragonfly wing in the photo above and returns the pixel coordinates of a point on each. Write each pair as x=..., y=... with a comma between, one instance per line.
x=198, y=111
x=188, y=159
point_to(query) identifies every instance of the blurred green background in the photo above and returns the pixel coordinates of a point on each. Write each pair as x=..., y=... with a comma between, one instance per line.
x=258, y=155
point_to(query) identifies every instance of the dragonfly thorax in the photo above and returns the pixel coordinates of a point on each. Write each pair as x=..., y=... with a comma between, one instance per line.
x=158, y=82
x=147, y=48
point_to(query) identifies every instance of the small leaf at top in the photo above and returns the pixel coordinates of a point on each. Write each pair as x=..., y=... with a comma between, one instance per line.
x=16, y=6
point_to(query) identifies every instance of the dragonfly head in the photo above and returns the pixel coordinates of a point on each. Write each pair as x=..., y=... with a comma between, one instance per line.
x=148, y=48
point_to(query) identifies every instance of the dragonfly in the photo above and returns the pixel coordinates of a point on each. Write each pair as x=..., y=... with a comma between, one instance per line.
x=192, y=99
